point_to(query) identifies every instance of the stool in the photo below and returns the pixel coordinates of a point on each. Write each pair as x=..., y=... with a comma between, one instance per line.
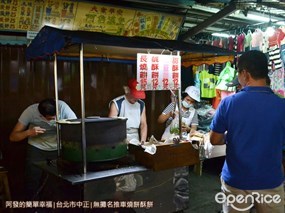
x=4, y=187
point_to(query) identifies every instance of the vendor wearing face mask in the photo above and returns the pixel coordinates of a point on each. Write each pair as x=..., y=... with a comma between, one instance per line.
x=188, y=112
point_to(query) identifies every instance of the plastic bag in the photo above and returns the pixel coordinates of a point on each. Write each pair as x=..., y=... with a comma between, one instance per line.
x=174, y=126
x=125, y=183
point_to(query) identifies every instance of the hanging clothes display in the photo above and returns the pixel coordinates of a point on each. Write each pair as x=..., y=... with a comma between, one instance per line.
x=235, y=44
x=256, y=41
x=218, y=69
x=222, y=90
x=275, y=61
x=273, y=46
x=276, y=69
x=216, y=101
x=226, y=76
x=208, y=84
x=277, y=82
x=282, y=28
x=196, y=76
x=265, y=43
x=225, y=44
x=282, y=53
x=216, y=42
x=240, y=42
x=247, y=40
x=276, y=38
x=231, y=43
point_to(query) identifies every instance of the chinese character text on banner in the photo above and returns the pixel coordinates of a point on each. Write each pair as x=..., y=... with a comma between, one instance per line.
x=158, y=72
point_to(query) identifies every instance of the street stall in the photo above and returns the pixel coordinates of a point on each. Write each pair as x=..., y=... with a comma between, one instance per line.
x=88, y=157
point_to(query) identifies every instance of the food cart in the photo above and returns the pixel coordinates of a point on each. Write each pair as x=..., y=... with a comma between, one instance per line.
x=84, y=181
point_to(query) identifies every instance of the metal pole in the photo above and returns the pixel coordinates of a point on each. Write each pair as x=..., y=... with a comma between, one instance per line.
x=179, y=111
x=56, y=103
x=179, y=105
x=83, y=133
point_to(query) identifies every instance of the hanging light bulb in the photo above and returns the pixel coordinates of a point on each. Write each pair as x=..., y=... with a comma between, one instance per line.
x=224, y=35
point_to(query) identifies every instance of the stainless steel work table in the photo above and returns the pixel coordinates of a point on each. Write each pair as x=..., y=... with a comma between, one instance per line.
x=73, y=177
x=67, y=183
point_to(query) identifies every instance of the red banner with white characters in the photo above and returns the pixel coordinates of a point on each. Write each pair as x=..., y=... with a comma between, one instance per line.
x=158, y=72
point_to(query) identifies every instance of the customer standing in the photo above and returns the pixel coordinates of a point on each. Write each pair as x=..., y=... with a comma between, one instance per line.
x=252, y=124
x=37, y=123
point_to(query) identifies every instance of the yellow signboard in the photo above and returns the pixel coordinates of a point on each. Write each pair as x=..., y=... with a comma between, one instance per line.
x=102, y=18
x=32, y=15
x=155, y=25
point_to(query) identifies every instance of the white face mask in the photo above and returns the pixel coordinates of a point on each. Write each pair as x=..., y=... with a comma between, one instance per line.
x=186, y=104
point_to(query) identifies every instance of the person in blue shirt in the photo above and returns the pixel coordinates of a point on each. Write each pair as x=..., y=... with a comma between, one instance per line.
x=252, y=124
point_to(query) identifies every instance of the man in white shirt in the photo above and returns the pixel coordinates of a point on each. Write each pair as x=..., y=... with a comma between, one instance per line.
x=132, y=107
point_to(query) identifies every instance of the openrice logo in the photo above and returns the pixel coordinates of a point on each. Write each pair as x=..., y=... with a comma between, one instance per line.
x=230, y=200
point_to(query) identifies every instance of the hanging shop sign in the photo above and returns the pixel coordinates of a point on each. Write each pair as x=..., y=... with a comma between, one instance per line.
x=32, y=15
x=158, y=72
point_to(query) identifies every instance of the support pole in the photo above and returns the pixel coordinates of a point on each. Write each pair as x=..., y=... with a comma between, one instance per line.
x=56, y=104
x=179, y=105
x=83, y=133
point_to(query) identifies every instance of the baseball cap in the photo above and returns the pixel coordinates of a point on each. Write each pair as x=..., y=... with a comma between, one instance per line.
x=139, y=94
x=233, y=83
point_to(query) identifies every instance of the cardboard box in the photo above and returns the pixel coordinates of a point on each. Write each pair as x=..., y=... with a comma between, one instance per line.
x=167, y=156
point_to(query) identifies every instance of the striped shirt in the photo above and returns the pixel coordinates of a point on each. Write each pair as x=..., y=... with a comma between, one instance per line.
x=184, y=114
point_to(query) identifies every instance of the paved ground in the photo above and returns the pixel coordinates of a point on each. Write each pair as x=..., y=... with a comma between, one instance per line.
x=204, y=188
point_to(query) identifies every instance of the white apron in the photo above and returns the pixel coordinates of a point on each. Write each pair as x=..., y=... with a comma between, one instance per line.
x=167, y=135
